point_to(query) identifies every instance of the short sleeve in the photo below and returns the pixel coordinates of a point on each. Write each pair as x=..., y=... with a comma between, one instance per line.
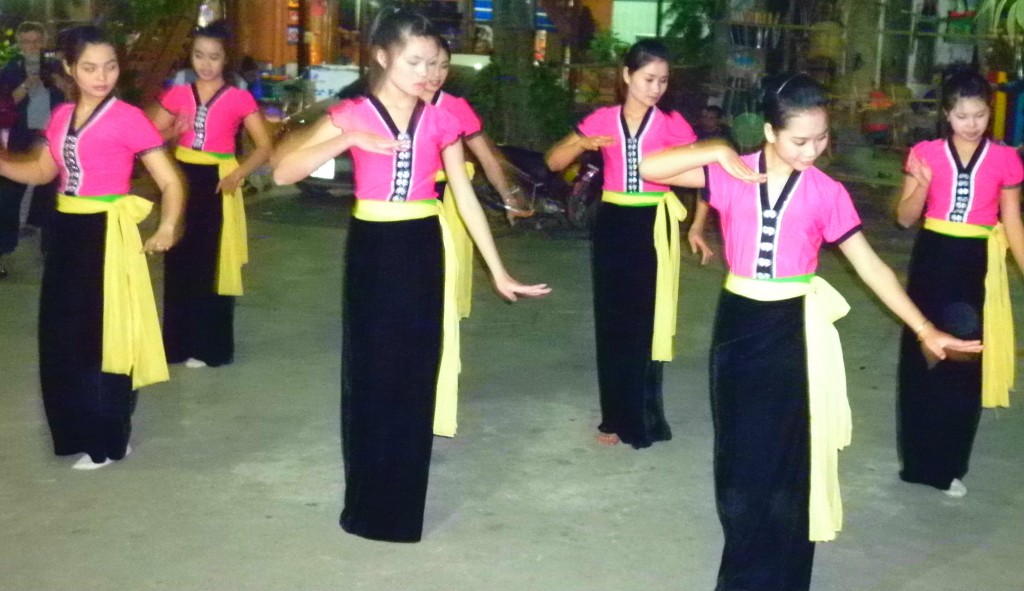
x=341, y=114
x=468, y=119
x=918, y=152
x=842, y=220
x=679, y=130
x=590, y=125
x=139, y=134
x=246, y=103
x=1013, y=171
x=172, y=100
x=715, y=183
x=57, y=124
x=448, y=128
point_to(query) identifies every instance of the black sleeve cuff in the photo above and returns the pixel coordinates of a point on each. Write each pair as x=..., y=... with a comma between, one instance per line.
x=148, y=150
x=846, y=235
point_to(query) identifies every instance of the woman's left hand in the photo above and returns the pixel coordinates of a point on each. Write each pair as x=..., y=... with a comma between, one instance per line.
x=511, y=290
x=230, y=183
x=161, y=241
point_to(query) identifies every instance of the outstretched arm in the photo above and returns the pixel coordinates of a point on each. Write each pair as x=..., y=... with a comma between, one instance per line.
x=476, y=223
x=883, y=282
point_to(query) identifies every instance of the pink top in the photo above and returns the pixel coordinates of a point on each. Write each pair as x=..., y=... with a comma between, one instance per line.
x=97, y=159
x=765, y=242
x=968, y=193
x=469, y=121
x=406, y=175
x=657, y=131
x=213, y=125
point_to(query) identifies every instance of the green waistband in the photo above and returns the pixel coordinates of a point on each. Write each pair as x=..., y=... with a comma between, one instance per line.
x=218, y=155
x=794, y=279
x=104, y=198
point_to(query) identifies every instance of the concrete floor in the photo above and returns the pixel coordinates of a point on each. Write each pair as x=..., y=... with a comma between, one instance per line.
x=235, y=480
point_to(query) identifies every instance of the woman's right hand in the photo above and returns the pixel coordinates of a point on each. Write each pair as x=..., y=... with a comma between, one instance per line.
x=695, y=236
x=920, y=170
x=372, y=142
x=512, y=290
x=937, y=343
x=596, y=142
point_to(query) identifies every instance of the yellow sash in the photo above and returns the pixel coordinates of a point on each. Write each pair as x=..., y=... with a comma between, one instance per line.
x=132, y=344
x=666, y=244
x=234, y=248
x=998, y=363
x=462, y=241
x=446, y=403
x=831, y=425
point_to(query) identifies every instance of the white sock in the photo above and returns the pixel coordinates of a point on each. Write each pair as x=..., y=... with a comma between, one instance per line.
x=957, y=489
x=85, y=463
x=194, y=363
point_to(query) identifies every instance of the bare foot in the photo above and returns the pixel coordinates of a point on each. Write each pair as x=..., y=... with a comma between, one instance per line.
x=608, y=439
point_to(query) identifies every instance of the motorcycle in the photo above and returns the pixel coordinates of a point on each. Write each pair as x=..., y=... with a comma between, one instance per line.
x=541, y=197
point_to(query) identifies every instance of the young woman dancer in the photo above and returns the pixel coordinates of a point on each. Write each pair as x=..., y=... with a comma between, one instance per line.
x=778, y=389
x=203, y=274
x=99, y=335
x=400, y=324
x=635, y=249
x=480, y=145
x=968, y=189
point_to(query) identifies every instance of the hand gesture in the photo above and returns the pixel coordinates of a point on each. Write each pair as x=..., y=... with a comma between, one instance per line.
x=936, y=343
x=230, y=183
x=695, y=236
x=161, y=241
x=734, y=165
x=596, y=142
x=510, y=289
x=373, y=143
x=920, y=170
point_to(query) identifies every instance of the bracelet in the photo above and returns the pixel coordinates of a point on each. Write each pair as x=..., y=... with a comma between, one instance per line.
x=921, y=328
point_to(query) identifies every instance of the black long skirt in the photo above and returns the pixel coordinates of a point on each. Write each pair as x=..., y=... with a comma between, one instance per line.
x=88, y=411
x=939, y=407
x=198, y=322
x=625, y=271
x=762, y=444
x=391, y=352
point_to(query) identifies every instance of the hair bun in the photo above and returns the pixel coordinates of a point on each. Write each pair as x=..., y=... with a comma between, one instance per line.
x=956, y=70
x=217, y=29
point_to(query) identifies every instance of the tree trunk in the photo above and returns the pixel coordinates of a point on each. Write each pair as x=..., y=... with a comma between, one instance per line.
x=513, y=55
